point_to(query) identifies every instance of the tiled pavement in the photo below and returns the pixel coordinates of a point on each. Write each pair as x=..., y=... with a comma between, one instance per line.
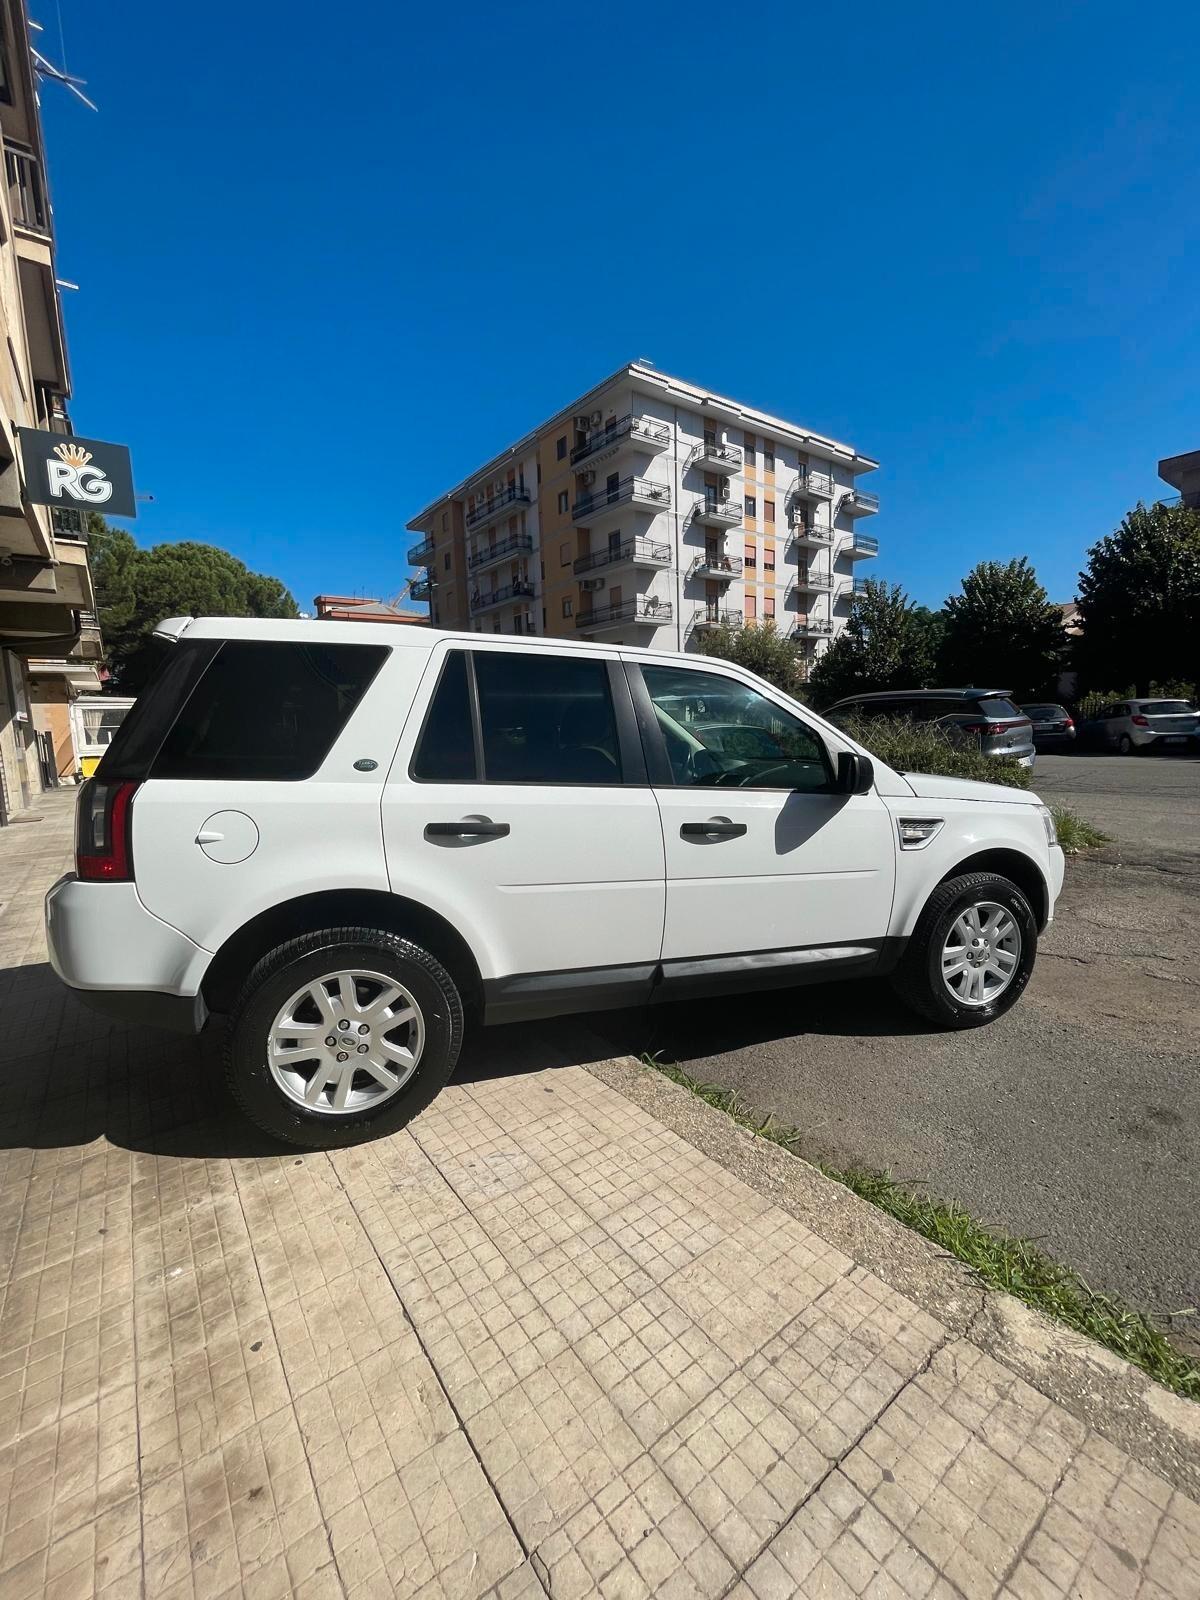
x=535, y=1345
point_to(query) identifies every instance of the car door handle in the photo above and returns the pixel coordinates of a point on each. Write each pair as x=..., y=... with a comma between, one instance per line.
x=714, y=828
x=468, y=828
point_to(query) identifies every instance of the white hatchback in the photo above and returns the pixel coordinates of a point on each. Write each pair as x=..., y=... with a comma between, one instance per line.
x=346, y=837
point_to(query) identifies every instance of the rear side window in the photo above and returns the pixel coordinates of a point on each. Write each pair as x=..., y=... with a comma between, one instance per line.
x=996, y=706
x=546, y=719
x=136, y=742
x=445, y=751
x=267, y=709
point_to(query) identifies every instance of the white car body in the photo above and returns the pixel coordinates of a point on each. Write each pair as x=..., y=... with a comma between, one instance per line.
x=592, y=896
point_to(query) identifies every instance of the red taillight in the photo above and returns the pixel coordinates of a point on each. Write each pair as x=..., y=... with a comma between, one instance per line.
x=1069, y=723
x=102, y=832
x=987, y=727
x=1139, y=722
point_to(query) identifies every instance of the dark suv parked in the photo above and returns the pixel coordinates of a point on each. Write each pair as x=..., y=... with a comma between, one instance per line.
x=983, y=717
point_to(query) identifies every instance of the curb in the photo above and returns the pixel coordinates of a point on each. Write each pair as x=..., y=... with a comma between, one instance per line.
x=1121, y=1403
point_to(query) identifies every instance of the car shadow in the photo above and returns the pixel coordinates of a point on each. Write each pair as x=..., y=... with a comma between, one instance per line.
x=70, y=1076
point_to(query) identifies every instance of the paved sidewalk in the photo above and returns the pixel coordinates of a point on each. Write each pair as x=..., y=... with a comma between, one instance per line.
x=535, y=1345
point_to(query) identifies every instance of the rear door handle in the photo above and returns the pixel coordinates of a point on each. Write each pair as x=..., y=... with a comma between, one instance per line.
x=714, y=828
x=468, y=828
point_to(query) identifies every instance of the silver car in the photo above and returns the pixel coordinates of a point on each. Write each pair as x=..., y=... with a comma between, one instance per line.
x=984, y=718
x=1129, y=725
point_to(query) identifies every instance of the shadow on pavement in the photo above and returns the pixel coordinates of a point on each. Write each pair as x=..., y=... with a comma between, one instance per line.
x=70, y=1076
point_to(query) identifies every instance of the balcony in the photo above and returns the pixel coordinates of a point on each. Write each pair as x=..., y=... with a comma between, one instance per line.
x=811, y=628
x=812, y=583
x=631, y=552
x=714, y=513
x=644, y=610
x=709, y=617
x=511, y=499
x=517, y=544
x=814, y=485
x=861, y=547
x=639, y=493
x=720, y=568
x=641, y=432
x=69, y=524
x=421, y=590
x=423, y=554
x=26, y=191
x=850, y=587
x=806, y=535
x=712, y=456
x=522, y=589
x=858, y=503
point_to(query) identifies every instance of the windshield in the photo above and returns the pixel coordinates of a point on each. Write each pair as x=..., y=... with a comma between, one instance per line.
x=994, y=706
x=1168, y=708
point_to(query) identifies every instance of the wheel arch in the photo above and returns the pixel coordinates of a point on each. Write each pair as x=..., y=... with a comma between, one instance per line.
x=333, y=908
x=1023, y=870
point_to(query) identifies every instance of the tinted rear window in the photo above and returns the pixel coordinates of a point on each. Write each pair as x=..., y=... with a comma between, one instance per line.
x=445, y=751
x=1167, y=708
x=136, y=742
x=267, y=709
x=1044, y=713
x=546, y=719
x=994, y=706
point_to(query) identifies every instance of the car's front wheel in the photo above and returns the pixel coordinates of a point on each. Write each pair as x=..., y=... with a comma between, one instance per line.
x=342, y=1035
x=971, y=953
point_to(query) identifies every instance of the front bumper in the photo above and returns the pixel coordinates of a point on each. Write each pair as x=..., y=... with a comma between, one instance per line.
x=122, y=959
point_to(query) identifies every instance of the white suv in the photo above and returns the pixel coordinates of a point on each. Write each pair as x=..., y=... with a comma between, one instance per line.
x=346, y=836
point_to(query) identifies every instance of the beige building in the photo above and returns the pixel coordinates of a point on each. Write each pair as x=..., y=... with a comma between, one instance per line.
x=46, y=600
x=648, y=512
x=1183, y=473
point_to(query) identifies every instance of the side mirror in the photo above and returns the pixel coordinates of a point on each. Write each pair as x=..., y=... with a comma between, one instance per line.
x=855, y=773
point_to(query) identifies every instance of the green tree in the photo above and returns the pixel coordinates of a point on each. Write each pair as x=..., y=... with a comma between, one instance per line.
x=136, y=589
x=1002, y=631
x=761, y=649
x=886, y=644
x=1139, y=600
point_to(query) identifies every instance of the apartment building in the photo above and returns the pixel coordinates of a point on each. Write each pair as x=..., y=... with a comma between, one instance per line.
x=1183, y=474
x=648, y=512
x=47, y=607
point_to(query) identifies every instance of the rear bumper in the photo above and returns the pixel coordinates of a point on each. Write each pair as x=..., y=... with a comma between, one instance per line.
x=123, y=959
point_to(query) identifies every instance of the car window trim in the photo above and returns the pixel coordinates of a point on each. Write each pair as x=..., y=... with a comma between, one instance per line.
x=658, y=762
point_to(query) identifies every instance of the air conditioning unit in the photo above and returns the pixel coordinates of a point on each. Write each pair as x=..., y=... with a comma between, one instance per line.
x=597, y=418
x=587, y=479
x=583, y=423
x=590, y=585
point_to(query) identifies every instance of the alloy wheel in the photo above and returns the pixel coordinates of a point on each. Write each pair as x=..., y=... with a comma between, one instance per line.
x=346, y=1042
x=981, y=953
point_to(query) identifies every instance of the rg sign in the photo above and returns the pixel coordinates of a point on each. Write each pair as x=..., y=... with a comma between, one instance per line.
x=65, y=471
x=72, y=474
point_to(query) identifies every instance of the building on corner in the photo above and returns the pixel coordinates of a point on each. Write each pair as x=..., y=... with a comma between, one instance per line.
x=648, y=512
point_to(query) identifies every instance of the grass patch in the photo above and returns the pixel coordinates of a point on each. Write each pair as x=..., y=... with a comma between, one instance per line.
x=999, y=1259
x=1074, y=834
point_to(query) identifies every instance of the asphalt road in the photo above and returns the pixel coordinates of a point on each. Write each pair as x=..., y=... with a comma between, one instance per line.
x=1075, y=1119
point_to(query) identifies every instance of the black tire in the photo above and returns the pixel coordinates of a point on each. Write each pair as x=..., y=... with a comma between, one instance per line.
x=284, y=970
x=918, y=978
x=1125, y=745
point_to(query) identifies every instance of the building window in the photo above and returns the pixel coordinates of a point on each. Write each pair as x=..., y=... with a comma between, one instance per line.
x=539, y=472
x=446, y=562
x=560, y=449
x=445, y=520
x=768, y=458
x=563, y=500
x=751, y=608
x=542, y=569
x=769, y=510
x=751, y=505
x=751, y=553
x=769, y=558
x=751, y=457
x=768, y=605
x=565, y=554
x=543, y=619
x=568, y=608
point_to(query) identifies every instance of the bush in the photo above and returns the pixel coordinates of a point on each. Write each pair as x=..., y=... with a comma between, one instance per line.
x=924, y=747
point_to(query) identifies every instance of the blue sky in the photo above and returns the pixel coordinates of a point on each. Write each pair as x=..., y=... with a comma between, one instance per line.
x=315, y=288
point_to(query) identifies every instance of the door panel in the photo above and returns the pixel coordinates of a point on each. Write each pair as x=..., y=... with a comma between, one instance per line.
x=783, y=867
x=577, y=879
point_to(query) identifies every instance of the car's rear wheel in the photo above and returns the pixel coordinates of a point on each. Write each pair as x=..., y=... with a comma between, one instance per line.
x=971, y=953
x=342, y=1035
x=1125, y=745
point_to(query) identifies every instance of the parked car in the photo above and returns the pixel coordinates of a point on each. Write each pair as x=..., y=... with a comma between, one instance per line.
x=1131, y=726
x=1053, y=726
x=983, y=717
x=346, y=837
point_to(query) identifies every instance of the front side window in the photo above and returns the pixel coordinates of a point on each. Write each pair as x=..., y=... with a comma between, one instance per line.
x=720, y=733
x=546, y=719
x=267, y=709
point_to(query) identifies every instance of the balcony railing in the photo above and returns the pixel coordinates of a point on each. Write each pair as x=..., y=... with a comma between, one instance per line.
x=26, y=190
x=852, y=586
x=808, y=531
x=511, y=499
x=645, y=552
x=520, y=589
x=642, y=608
x=639, y=430
x=812, y=583
x=515, y=544
x=716, y=617
x=629, y=491
x=858, y=503
x=69, y=524
x=712, y=456
x=421, y=590
x=811, y=628
x=420, y=555
x=721, y=567
x=719, y=512
x=862, y=544
x=818, y=485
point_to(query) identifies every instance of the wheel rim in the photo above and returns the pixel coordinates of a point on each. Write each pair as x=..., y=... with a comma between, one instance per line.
x=346, y=1042
x=981, y=953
